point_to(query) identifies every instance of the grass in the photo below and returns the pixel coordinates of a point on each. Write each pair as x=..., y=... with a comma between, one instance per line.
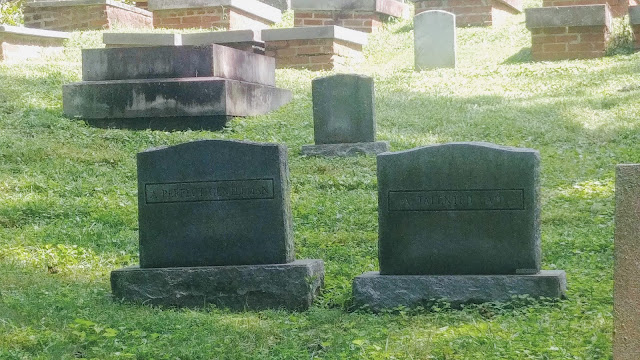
x=68, y=210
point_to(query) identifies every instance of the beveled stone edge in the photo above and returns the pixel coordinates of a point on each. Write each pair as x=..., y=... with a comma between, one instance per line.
x=19, y=30
x=335, y=150
x=143, y=39
x=223, y=37
x=339, y=5
x=481, y=144
x=579, y=15
x=63, y=3
x=252, y=7
x=315, y=32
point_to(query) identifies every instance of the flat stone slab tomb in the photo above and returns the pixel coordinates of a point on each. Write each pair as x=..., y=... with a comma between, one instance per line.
x=314, y=48
x=216, y=228
x=69, y=15
x=247, y=40
x=473, y=12
x=457, y=222
x=619, y=8
x=172, y=87
x=361, y=15
x=225, y=14
x=20, y=43
x=568, y=32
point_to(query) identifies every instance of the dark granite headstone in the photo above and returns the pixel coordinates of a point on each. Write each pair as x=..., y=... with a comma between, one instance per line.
x=214, y=202
x=462, y=208
x=344, y=122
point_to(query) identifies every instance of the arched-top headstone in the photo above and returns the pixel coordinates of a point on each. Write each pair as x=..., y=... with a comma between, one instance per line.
x=435, y=40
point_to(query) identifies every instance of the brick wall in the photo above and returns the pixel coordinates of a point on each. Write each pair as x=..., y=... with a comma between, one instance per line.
x=89, y=17
x=209, y=17
x=560, y=43
x=469, y=12
x=313, y=54
x=356, y=20
x=618, y=7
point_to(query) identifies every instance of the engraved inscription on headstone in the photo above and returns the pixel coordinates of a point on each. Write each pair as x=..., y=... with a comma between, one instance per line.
x=462, y=208
x=214, y=202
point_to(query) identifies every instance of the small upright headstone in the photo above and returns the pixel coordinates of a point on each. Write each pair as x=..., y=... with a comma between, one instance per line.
x=344, y=117
x=215, y=227
x=626, y=309
x=435, y=40
x=459, y=222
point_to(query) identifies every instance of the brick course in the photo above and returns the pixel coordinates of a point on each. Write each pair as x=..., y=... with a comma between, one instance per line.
x=228, y=18
x=84, y=17
x=472, y=12
x=313, y=54
x=561, y=43
x=356, y=20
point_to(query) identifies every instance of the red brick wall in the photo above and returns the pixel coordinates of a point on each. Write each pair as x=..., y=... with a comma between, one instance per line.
x=560, y=43
x=356, y=20
x=209, y=17
x=313, y=54
x=89, y=17
x=618, y=7
x=469, y=12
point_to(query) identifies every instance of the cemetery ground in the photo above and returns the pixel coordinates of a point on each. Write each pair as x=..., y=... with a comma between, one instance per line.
x=68, y=212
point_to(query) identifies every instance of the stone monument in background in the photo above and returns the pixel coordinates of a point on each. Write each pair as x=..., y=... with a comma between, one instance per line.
x=215, y=228
x=458, y=222
x=435, y=40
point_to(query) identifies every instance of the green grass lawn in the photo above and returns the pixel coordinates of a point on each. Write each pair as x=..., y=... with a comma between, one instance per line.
x=68, y=211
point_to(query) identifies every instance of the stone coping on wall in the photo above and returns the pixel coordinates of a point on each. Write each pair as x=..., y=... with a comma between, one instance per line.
x=515, y=5
x=634, y=15
x=63, y=3
x=386, y=7
x=568, y=16
x=19, y=30
x=252, y=7
x=202, y=38
x=315, y=32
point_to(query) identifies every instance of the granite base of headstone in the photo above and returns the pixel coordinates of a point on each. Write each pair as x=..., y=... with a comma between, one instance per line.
x=215, y=227
x=458, y=222
x=344, y=121
x=172, y=87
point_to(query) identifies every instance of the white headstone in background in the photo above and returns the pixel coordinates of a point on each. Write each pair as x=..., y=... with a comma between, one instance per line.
x=435, y=40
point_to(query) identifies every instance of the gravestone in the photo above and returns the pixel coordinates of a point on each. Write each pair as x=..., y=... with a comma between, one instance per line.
x=215, y=227
x=435, y=40
x=626, y=310
x=459, y=222
x=344, y=117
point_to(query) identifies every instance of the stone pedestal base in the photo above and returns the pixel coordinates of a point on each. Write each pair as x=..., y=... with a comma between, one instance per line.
x=290, y=286
x=351, y=149
x=380, y=292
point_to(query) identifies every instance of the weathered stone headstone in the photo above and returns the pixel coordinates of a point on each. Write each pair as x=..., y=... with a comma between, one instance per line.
x=626, y=309
x=344, y=116
x=435, y=40
x=461, y=222
x=215, y=227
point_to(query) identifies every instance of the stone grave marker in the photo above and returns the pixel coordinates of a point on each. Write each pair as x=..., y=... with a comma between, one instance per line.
x=459, y=222
x=435, y=40
x=626, y=308
x=215, y=227
x=344, y=117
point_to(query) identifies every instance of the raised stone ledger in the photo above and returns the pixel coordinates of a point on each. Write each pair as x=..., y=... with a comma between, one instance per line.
x=378, y=292
x=459, y=209
x=626, y=291
x=435, y=40
x=291, y=286
x=208, y=203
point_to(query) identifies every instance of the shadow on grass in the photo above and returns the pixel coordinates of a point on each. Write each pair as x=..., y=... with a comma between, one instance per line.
x=522, y=56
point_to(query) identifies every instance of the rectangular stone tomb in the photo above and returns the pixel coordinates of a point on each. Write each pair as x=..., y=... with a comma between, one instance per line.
x=169, y=104
x=177, y=62
x=291, y=286
x=215, y=227
x=379, y=292
x=626, y=291
x=360, y=15
x=225, y=14
x=473, y=12
x=70, y=15
x=209, y=203
x=20, y=43
x=569, y=32
x=314, y=48
x=344, y=117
